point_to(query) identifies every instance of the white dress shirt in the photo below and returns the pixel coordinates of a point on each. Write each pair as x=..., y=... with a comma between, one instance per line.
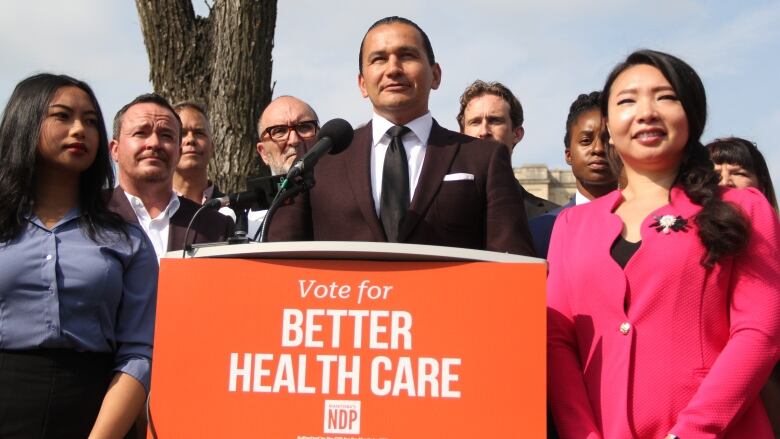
x=415, y=144
x=156, y=228
x=579, y=198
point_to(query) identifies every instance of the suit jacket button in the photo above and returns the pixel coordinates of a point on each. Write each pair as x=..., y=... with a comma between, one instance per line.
x=625, y=328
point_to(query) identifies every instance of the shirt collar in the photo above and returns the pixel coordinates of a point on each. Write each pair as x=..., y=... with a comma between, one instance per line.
x=207, y=193
x=421, y=127
x=580, y=199
x=140, y=210
x=72, y=214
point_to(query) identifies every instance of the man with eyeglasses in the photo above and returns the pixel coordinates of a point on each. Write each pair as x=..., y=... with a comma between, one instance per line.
x=404, y=178
x=288, y=126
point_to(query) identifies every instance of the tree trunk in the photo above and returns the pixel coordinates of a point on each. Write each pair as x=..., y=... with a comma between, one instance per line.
x=223, y=62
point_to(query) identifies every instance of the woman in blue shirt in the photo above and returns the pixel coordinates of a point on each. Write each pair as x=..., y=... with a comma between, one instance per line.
x=77, y=284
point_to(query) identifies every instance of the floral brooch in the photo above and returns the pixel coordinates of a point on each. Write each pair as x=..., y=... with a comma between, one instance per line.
x=669, y=222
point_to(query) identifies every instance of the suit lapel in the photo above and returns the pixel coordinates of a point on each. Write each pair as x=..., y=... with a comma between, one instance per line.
x=357, y=164
x=178, y=226
x=121, y=205
x=439, y=154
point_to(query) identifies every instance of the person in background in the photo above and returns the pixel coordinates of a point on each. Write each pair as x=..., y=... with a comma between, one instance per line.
x=741, y=165
x=663, y=299
x=190, y=179
x=585, y=153
x=146, y=147
x=77, y=283
x=489, y=110
x=286, y=128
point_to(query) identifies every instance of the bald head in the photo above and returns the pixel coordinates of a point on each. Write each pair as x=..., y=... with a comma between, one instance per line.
x=291, y=114
x=284, y=110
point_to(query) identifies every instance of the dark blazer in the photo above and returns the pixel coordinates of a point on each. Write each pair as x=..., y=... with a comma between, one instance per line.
x=542, y=227
x=211, y=226
x=216, y=193
x=485, y=213
x=535, y=206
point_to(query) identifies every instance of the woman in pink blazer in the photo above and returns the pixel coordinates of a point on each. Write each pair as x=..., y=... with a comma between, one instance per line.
x=663, y=297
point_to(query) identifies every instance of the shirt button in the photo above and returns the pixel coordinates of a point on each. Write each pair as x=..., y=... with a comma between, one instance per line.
x=48, y=257
x=625, y=328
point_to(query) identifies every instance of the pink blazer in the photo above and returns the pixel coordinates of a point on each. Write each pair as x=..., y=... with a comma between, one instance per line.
x=695, y=346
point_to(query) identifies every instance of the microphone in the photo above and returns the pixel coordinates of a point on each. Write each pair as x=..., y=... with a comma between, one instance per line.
x=334, y=137
x=239, y=199
x=261, y=191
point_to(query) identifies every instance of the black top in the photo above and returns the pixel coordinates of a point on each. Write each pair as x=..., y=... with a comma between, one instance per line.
x=623, y=250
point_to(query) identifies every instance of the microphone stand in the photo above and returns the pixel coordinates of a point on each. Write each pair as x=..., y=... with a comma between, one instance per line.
x=242, y=226
x=289, y=189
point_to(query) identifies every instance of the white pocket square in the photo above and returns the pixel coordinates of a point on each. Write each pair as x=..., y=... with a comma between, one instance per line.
x=458, y=176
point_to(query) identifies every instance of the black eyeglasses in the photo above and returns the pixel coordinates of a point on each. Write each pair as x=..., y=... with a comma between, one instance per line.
x=306, y=130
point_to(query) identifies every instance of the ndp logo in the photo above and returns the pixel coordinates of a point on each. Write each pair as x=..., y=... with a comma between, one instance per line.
x=342, y=416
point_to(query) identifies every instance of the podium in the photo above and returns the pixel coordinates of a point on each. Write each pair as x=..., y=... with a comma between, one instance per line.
x=349, y=340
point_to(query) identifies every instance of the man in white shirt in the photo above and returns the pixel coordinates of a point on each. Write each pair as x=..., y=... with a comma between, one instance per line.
x=404, y=178
x=146, y=148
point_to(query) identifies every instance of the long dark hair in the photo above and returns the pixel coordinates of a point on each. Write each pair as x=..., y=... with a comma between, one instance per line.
x=723, y=230
x=20, y=130
x=742, y=152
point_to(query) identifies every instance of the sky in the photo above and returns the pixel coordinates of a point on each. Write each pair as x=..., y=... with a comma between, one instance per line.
x=547, y=52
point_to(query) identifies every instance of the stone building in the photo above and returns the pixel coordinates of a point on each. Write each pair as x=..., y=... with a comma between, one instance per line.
x=556, y=185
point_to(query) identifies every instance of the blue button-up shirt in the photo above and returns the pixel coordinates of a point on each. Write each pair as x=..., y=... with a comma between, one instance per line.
x=60, y=289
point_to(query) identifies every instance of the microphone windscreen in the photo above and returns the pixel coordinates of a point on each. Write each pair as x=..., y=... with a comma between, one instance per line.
x=340, y=133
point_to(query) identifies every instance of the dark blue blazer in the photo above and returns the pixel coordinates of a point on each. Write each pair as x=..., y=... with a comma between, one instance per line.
x=541, y=229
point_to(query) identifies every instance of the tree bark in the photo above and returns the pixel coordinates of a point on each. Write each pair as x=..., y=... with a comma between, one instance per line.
x=222, y=61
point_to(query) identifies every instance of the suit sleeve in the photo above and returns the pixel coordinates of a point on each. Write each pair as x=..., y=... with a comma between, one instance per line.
x=506, y=223
x=230, y=227
x=292, y=221
x=753, y=348
x=568, y=397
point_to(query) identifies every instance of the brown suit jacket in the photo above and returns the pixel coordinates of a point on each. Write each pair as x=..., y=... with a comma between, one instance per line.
x=485, y=213
x=211, y=226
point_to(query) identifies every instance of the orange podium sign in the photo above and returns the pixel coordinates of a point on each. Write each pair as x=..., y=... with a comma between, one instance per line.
x=300, y=349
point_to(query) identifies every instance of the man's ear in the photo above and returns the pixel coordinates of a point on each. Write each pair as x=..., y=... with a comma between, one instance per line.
x=113, y=147
x=263, y=153
x=517, y=134
x=567, y=154
x=362, y=85
x=436, y=76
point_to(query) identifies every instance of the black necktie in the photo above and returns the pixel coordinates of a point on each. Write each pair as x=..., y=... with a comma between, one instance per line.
x=395, y=184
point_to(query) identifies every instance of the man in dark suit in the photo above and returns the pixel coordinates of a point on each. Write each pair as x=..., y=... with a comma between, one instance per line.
x=146, y=148
x=491, y=111
x=404, y=178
